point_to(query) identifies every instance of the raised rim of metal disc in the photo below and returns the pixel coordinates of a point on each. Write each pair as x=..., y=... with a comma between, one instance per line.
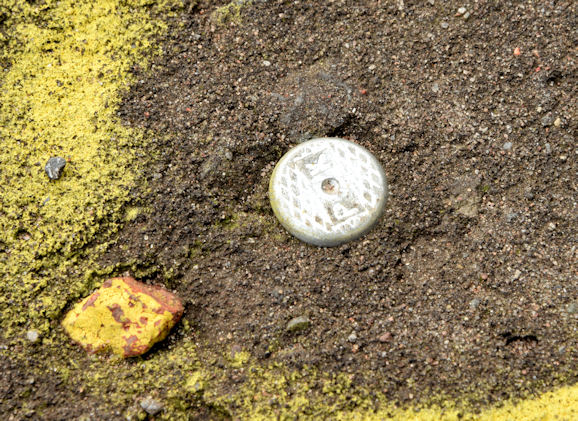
x=286, y=212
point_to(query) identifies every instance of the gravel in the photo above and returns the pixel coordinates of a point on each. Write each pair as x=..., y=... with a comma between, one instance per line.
x=54, y=167
x=298, y=323
x=385, y=337
x=475, y=303
x=547, y=120
x=151, y=406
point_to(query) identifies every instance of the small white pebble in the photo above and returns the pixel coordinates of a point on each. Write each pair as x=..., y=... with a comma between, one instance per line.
x=151, y=406
x=266, y=63
x=32, y=335
x=461, y=11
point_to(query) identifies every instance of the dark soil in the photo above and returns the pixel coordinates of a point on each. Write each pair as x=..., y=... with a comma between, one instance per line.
x=469, y=280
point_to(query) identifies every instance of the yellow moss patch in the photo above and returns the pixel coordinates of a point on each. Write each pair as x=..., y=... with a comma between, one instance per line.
x=230, y=13
x=561, y=404
x=276, y=392
x=240, y=359
x=196, y=382
x=557, y=405
x=64, y=64
x=124, y=316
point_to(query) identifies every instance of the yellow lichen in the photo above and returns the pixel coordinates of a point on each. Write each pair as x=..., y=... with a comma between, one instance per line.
x=230, y=13
x=240, y=359
x=277, y=392
x=561, y=404
x=132, y=214
x=196, y=382
x=65, y=65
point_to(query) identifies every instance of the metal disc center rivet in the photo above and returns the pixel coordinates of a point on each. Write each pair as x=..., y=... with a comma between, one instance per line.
x=330, y=186
x=328, y=191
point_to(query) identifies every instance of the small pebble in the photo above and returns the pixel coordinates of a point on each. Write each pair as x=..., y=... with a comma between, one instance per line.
x=266, y=63
x=461, y=11
x=507, y=146
x=151, y=406
x=352, y=338
x=435, y=88
x=548, y=148
x=547, y=120
x=557, y=122
x=54, y=167
x=474, y=303
x=298, y=323
x=386, y=337
x=466, y=15
x=32, y=335
x=445, y=25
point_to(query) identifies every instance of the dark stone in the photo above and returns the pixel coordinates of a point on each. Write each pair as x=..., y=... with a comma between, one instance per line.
x=298, y=323
x=54, y=167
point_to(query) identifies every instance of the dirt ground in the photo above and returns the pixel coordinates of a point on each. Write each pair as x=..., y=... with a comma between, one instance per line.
x=467, y=287
x=469, y=280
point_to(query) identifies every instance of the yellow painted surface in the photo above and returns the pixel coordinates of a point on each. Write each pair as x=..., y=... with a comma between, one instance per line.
x=339, y=401
x=561, y=405
x=63, y=67
x=123, y=316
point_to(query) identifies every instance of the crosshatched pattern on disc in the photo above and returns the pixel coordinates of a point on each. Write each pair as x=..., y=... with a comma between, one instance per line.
x=328, y=191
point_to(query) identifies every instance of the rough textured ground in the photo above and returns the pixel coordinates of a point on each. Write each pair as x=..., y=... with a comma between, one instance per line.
x=465, y=290
x=470, y=279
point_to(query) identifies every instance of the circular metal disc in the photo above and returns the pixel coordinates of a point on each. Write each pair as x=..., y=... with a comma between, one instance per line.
x=328, y=191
